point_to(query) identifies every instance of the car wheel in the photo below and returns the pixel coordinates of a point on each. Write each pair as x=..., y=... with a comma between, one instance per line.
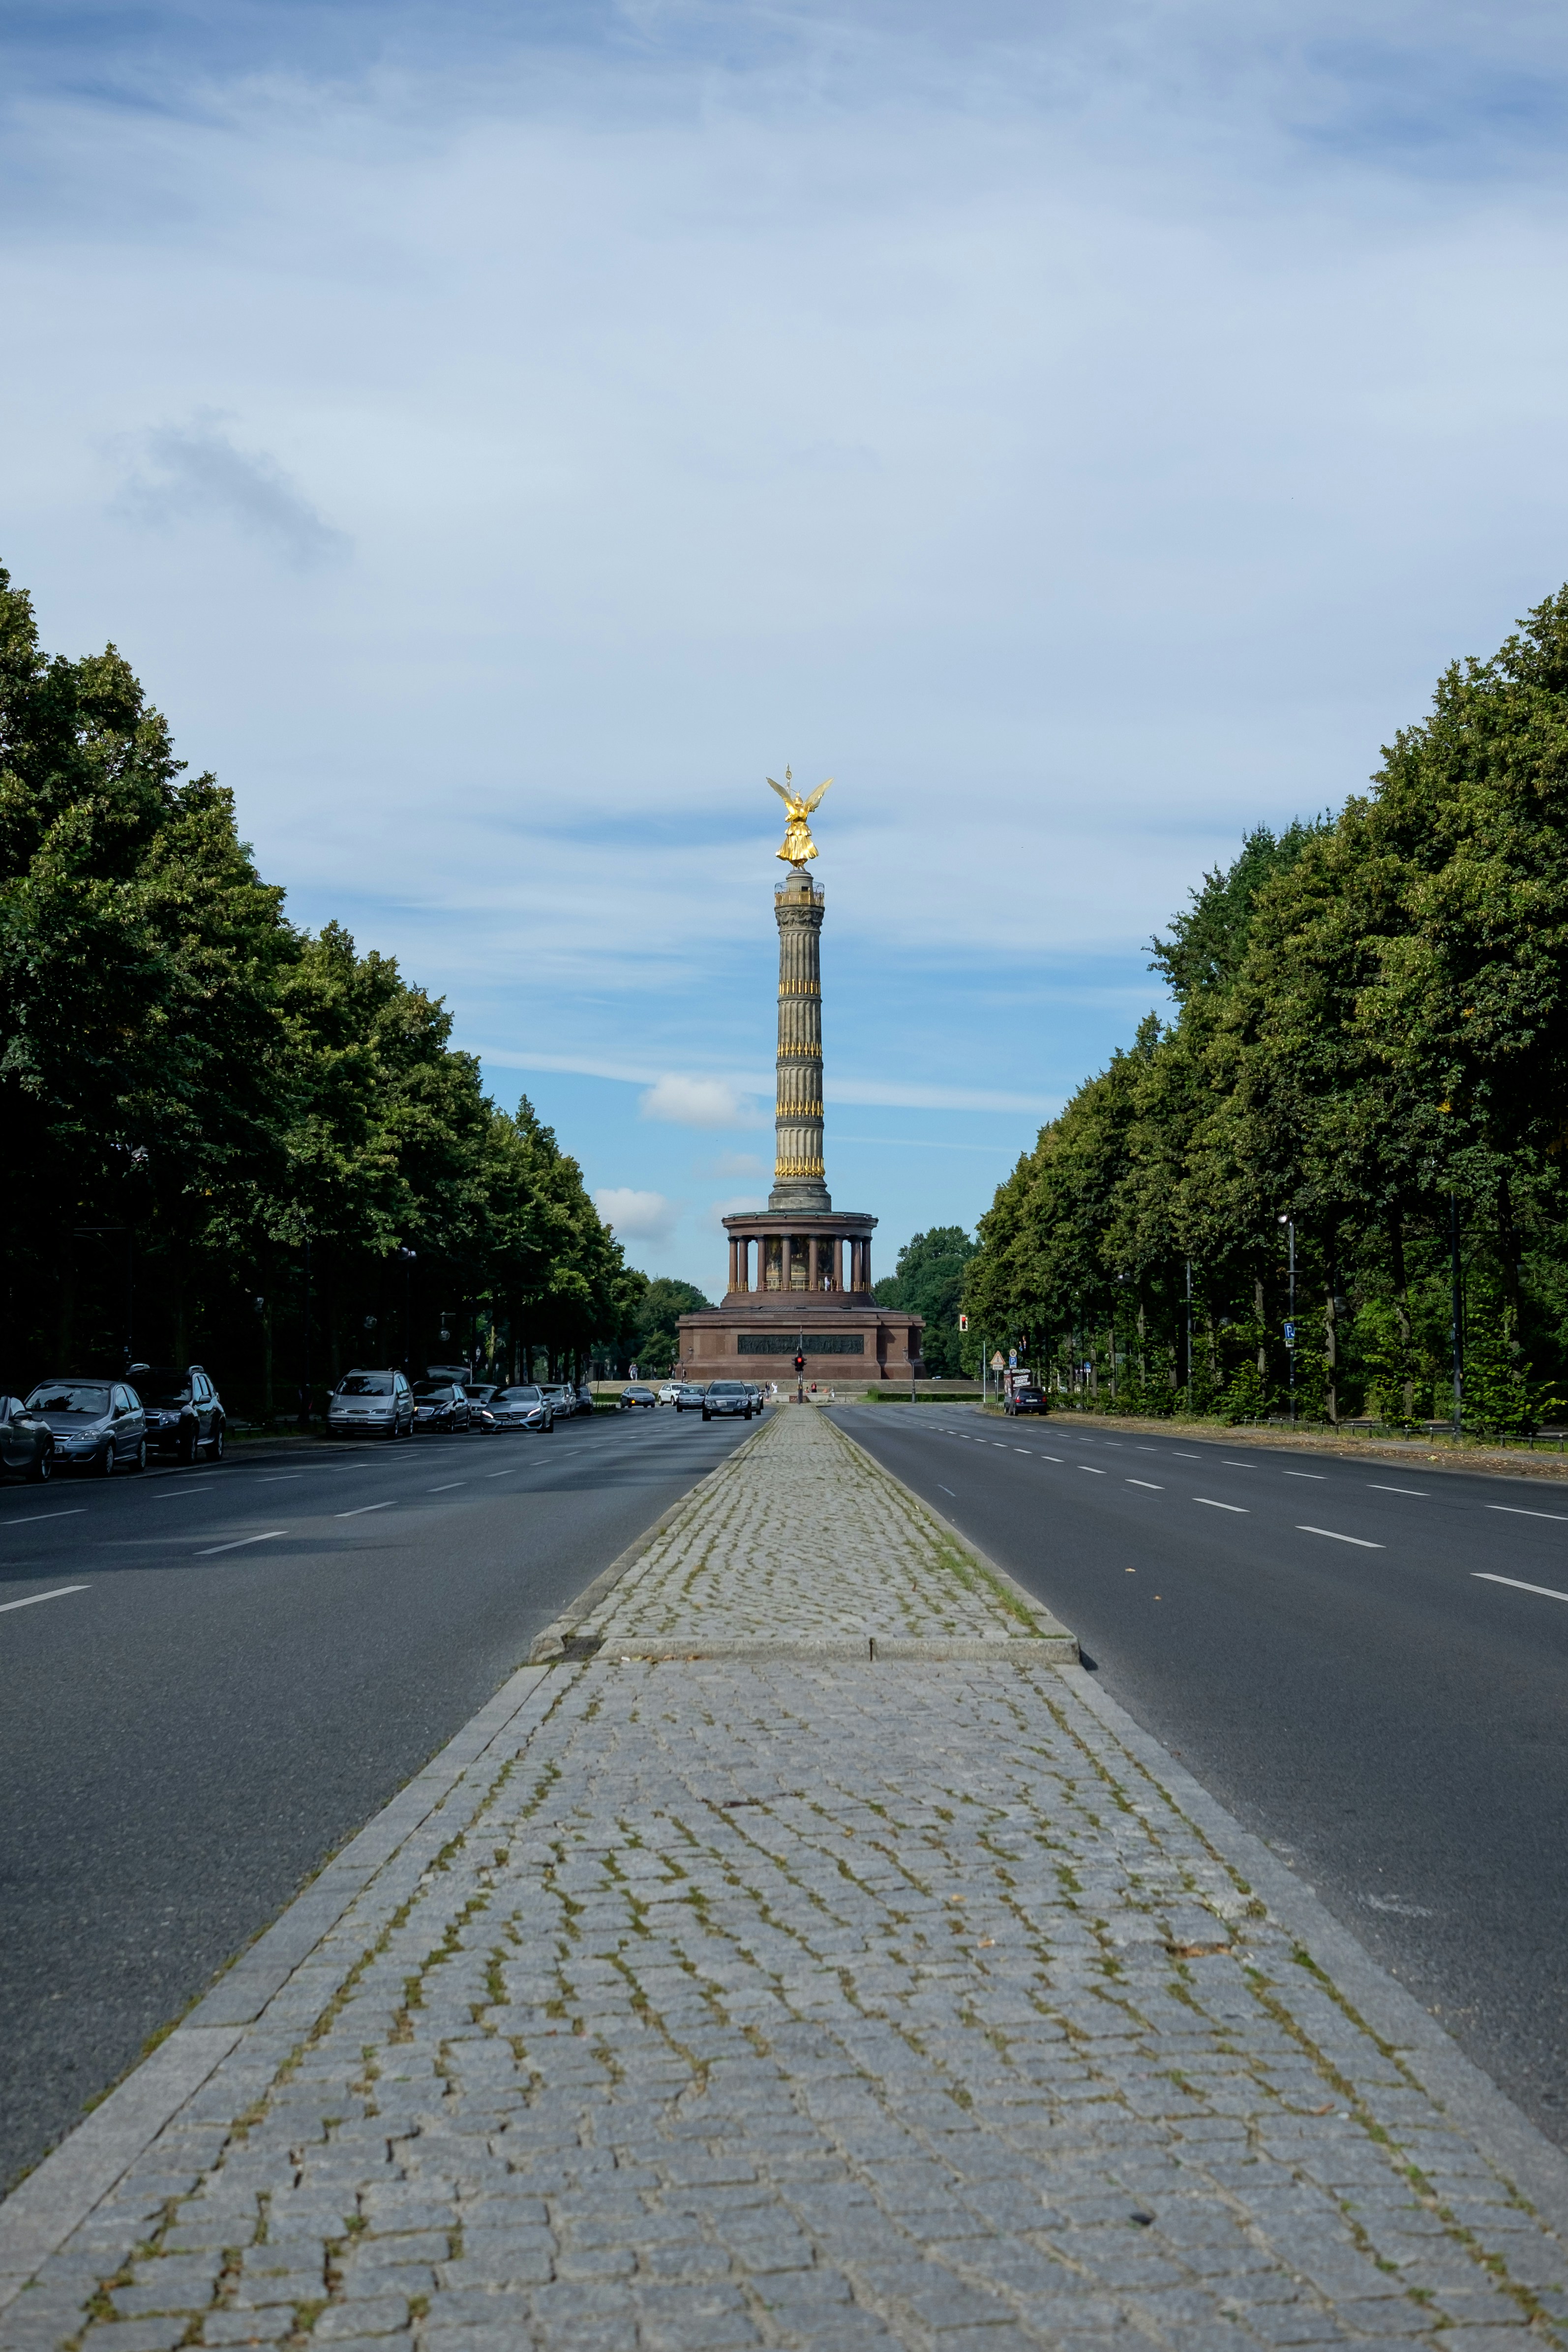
x=104, y=1465
x=747, y=1412
x=215, y=1450
x=187, y=1446
x=705, y=1414
x=139, y=1459
x=40, y=1471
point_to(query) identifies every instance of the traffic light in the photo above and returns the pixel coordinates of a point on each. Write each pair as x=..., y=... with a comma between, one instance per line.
x=800, y=1363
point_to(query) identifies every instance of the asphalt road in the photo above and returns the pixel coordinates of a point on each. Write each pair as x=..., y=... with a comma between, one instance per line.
x=1366, y=1664
x=240, y=1665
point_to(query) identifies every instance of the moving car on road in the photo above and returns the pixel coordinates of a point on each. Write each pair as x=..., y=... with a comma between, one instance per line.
x=95, y=1424
x=371, y=1405
x=523, y=1407
x=689, y=1396
x=1028, y=1400
x=440, y=1404
x=184, y=1411
x=669, y=1391
x=635, y=1395
x=728, y=1397
x=27, y=1441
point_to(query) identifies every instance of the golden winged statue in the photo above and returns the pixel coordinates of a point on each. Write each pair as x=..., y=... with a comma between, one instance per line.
x=798, y=845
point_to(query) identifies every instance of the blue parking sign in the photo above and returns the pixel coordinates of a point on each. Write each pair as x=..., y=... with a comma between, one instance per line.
x=1289, y=1335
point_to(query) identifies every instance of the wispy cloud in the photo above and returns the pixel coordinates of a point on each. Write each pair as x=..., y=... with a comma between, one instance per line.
x=698, y=1102
x=195, y=473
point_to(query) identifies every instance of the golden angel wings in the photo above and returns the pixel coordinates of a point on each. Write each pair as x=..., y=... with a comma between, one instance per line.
x=798, y=845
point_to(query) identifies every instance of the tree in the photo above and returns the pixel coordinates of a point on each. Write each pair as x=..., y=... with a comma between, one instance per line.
x=929, y=1281
x=656, y=1337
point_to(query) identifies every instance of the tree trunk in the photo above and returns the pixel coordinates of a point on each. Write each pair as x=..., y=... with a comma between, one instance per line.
x=1402, y=1309
x=1331, y=1360
x=1260, y=1310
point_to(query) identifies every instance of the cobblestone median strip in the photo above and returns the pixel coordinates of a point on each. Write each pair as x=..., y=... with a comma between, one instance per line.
x=812, y=2005
x=802, y=1539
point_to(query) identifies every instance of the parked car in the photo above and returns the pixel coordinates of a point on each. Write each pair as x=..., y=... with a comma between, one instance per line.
x=727, y=1397
x=563, y=1398
x=668, y=1392
x=440, y=1404
x=481, y=1398
x=95, y=1424
x=632, y=1396
x=184, y=1411
x=1028, y=1401
x=524, y=1407
x=371, y=1405
x=582, y=1400
x=27, y=1441
x=688, y=1397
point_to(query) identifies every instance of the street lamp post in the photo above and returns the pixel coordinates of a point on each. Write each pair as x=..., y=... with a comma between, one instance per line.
x=408, y=1256
x=1288, y=1221
x=1455, y=1315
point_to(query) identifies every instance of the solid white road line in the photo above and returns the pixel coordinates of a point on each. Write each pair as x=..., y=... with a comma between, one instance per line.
x=35, y=1519
x=239, y=1543
x=57, y=1594
x=1145, y=1482
x=1239, y=1508
x=1546, y=1592
x=1334, y=1537
x=1516, y=1511
x=361, y=1510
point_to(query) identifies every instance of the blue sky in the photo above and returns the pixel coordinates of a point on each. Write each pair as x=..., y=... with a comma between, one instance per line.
x=500, y=436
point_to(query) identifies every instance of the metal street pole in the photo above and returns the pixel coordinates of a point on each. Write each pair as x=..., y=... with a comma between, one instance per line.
x=1189, y=1335
x=1455, y=1315
x=1288, y=1221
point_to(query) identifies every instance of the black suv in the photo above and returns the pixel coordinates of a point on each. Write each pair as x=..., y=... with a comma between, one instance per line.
x=1028, y=1401
x=184, y=1411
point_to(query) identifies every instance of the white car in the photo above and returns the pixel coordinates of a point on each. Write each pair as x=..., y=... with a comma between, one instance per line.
x=669, y=1391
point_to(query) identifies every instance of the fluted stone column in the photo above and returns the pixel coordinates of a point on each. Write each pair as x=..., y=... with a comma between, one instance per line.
x=799, y=1177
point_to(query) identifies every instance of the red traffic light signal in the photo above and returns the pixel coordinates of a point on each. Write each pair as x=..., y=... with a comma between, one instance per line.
x=800, y=1363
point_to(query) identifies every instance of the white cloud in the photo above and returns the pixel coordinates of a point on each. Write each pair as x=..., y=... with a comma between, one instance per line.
x=637, y=1216
x=698, y=1102
x=735, y=1164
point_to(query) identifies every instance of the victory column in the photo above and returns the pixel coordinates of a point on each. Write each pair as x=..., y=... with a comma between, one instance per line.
x=807, y=1287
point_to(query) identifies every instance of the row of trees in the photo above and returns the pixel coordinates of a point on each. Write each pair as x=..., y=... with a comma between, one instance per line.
x=227, y=1139
x=1369, y=1059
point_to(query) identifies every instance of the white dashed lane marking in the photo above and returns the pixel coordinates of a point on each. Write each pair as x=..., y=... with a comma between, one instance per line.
x=1239, y=1508
x=1517, y=1511
x=1547, y=1592
x=33, y=1598
x=239, y=1543
x=1334, y=1537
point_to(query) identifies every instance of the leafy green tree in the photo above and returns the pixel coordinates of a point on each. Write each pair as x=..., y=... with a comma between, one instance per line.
x=655, y=1339
x=929, y=1281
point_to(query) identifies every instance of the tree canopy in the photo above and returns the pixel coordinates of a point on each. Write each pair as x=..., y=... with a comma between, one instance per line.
x=1369, y=1050
x=929, y=1280
x=228, y=1138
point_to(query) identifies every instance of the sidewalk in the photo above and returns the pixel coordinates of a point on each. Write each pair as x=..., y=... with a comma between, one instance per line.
x=722, y=1989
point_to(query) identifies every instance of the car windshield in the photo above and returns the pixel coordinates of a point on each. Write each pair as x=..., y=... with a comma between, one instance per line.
x=158, y=1385
x=66, y=1396
x=365, y=1384
x=518, y=1396
x=436, y=1388
x=727, y=1388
